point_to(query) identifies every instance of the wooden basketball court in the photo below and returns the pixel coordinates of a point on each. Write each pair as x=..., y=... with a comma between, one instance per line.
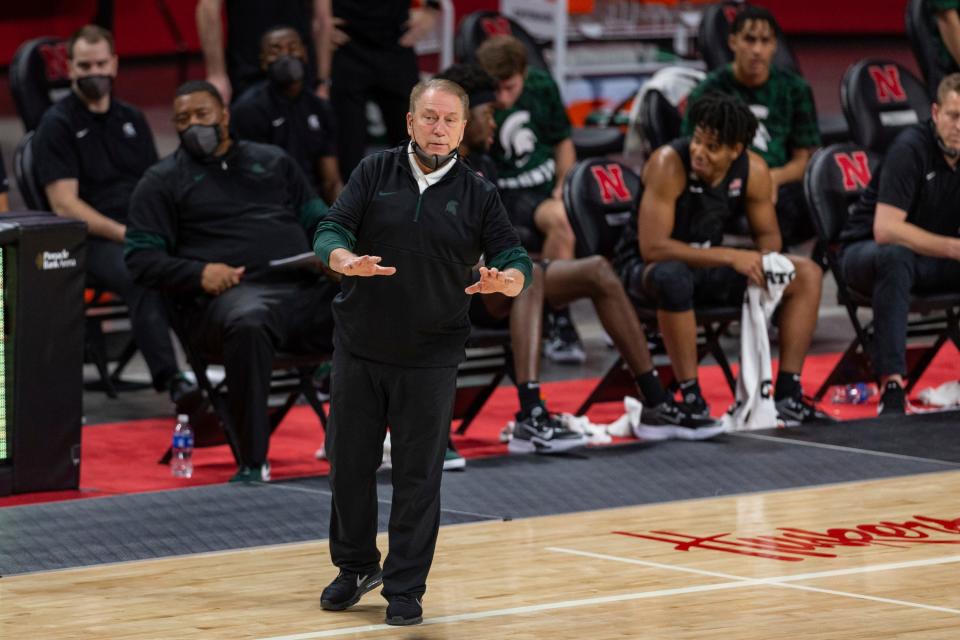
x=873, y=559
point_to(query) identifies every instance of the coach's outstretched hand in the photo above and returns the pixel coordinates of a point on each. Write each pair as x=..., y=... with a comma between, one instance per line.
x=496, y=281
x=365, y=266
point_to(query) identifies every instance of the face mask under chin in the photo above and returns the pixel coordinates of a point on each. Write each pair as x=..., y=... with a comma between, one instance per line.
x=201, y=140
x=433, y=161
x=94, y=87
x=950, y=152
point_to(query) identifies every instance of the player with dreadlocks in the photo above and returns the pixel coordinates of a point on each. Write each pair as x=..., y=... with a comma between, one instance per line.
x=672, y=256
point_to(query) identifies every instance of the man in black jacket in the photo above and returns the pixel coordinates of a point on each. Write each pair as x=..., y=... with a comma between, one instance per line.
x=401, y=330
x=205, y=224
x=281, y=110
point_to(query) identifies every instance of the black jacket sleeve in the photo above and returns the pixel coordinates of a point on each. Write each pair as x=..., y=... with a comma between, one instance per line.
x=151, y=241
x=339, y=227
x=501, y=246
x=303, y=199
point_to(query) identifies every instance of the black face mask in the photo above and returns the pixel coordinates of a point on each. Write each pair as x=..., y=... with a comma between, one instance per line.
x=286, y=71
x=201, y=140
x=433, y=161
x=94, y=87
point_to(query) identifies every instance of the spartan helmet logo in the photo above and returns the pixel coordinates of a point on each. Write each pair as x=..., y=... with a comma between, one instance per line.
x=517, y=140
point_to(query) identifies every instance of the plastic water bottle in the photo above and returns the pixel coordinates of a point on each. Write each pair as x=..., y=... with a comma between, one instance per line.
x=857, y=393
x=181, y=463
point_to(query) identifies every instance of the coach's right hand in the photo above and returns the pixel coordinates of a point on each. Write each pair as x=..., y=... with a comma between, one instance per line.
x=750, y=264
x=345, y=262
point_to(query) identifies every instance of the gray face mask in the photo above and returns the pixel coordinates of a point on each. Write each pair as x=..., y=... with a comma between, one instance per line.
x=94, y=87
x=201, y=140
x=286, y=71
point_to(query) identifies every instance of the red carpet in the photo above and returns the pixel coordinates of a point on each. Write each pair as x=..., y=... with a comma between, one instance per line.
x=122, y=457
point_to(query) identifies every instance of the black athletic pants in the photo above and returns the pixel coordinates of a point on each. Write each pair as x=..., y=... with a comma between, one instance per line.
x=148, y=315
x=417, y=403
x=248, y=324
x=358, y=75
x=888, y=273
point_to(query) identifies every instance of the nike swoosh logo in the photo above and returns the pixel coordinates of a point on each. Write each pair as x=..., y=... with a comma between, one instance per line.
x=278, y=122
x=82, y=132
x=360, y=580
x=387, y=193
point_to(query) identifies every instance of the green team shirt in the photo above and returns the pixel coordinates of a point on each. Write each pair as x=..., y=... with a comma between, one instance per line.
x=933, y=7
x=783, y=106
x=526, y=134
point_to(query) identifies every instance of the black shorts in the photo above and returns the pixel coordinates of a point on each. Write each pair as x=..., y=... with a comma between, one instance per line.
x=712, y=286
x=521, y=204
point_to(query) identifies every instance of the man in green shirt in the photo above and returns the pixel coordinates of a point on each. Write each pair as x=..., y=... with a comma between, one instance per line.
x=944, y=16
x=782, y=102
x=533, y=151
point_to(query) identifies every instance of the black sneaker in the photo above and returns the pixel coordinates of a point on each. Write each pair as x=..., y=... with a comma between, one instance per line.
x=185, y=394
x=563, y=342
x=798, y=410
x=252, y=474
x=404, y=610
x=540, y=432
x=893, y=402
x=347, y=589
x=670, y=420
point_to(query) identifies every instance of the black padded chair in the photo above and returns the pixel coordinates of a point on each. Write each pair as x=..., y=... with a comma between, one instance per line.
x=880, y=98
x=659, y=120
x=834, y=179
x=293, y=375
x=102, y=306
x=601, y=196
x=714, y=32
x=923, y=40
x=480, y=25
x=489, y=359
x=39, y=76
x=476, y=27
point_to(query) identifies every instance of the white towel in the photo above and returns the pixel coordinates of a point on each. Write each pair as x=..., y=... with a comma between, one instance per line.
x=946, y=395
x=754, y=407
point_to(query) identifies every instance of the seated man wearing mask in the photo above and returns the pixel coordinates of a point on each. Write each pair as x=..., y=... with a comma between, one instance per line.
x=902, y=235
x=282, y=111
x=205, y=224
x=90, y=151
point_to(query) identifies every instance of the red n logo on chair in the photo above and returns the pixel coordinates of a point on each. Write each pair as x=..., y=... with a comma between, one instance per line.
x=55, y=60
x=730, y=12
x=886, y=80
x=855, y=169
x=498, y=26
x=611, y=183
